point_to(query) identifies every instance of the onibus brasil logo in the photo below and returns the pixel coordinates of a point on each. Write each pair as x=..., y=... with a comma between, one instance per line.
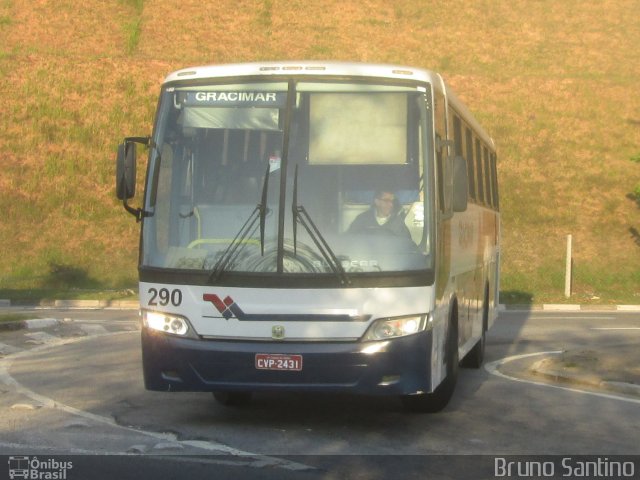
x=36, y=469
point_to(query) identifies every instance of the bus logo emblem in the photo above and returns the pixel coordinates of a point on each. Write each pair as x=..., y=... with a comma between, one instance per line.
x=227, y=307
x=277, y=332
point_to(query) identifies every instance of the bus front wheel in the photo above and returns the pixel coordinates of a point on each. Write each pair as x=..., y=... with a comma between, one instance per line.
x=475, y=357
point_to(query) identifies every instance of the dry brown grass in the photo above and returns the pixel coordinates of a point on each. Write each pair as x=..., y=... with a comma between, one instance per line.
x=556, y=83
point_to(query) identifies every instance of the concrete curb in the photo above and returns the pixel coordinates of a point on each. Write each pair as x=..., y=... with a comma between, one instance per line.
x=29, y=324
x=563, y=376
x=629, y=308
x=622, y=387
x=115, y=304
x=40, y=323
x=560, y=307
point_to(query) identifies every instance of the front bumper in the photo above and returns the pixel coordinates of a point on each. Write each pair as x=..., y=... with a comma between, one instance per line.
x=397, y=366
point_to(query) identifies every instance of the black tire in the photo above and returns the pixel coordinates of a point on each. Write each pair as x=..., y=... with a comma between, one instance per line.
x=233, y=399
x=475, y=357
x=439, y=398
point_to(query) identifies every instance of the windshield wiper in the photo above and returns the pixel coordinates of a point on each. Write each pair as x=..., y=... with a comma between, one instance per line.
x=301, y=216
x=232, y=251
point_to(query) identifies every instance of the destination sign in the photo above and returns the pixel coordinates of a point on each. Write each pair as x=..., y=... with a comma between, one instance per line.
x=233, y=99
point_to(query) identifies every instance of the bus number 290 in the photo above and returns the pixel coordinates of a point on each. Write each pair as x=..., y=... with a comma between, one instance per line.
x=163, y=297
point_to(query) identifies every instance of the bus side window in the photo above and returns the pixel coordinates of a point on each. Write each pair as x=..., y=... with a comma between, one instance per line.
x=494, y=179
x=444, y=195
x=479, y=173
x=470, y=164
x=487, y=176
x=457, y=135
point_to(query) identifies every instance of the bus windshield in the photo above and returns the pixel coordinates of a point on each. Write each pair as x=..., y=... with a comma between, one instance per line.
x=290, y=178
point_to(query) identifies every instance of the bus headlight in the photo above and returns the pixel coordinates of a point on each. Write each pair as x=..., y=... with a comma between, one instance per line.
x=166, y=323
x=386, y=328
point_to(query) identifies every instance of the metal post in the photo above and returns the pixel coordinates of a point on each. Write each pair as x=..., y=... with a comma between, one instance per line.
x=567, y=276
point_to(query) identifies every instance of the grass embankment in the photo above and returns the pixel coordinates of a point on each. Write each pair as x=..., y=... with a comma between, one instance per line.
x=14, y=317
x=556, y=84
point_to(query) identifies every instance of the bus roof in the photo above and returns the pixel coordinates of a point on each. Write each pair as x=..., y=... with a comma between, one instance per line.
x=305, y=68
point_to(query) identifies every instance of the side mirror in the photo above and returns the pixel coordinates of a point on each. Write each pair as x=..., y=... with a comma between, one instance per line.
x=126, y=171
x=460, y=184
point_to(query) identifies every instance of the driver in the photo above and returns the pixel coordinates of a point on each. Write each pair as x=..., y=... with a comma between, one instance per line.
x=384, y=217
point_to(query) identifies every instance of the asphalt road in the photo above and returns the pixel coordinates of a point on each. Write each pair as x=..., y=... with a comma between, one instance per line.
x=76, y=389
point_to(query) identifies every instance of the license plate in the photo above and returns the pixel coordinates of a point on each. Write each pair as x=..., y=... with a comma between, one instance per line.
x=268, y=361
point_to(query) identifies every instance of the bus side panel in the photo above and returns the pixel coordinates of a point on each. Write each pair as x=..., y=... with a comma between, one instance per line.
x=468, y=271
x=491, y=261
x=467, y=267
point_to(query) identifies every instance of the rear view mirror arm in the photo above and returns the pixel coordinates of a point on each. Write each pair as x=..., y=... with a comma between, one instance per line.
x=139, y=213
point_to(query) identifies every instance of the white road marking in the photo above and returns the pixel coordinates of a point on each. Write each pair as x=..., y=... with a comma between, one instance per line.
x=253, y=459
x=255, y=462
x=23, y=447
x=492, y=368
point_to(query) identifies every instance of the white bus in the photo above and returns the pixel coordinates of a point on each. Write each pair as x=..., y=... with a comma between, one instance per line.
x=314, y=227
